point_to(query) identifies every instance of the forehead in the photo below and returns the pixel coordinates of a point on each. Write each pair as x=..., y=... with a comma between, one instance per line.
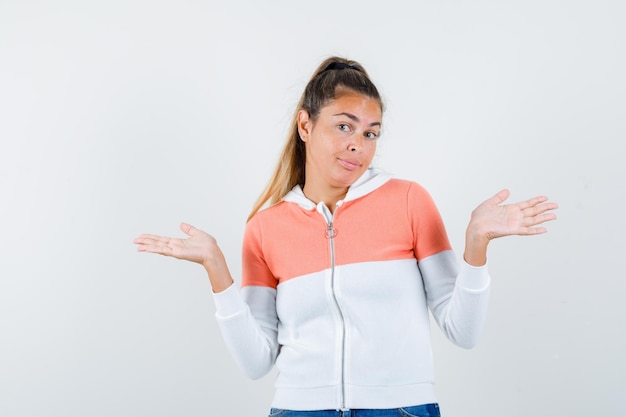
x=360, y=105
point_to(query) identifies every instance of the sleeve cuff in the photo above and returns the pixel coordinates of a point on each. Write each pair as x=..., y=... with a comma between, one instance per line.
x=474, y=278
x=228, y=302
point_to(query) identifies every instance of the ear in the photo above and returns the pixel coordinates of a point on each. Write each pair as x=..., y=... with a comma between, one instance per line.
x=304, y=124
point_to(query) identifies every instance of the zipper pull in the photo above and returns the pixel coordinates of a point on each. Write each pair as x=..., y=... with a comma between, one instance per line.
x=330, y=231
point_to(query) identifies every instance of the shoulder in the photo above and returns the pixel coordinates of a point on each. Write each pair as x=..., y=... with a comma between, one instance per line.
x=409, y=188
x=277, y=216
x=411, y=195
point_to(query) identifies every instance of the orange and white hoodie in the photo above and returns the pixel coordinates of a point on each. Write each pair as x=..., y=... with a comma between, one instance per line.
x=339, y=301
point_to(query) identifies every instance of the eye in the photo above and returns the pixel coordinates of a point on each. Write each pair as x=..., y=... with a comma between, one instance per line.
x=344, y=127
x=371, y=135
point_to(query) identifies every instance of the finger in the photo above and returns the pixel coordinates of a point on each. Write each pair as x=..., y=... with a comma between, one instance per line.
x=151, y=239
x=161, y=250
x=534, y=231
x=537, y=210
x=500, y=196
x=542, y=218
x=542, y=208
x=528, y=225
x=532, y=202
x=188, y=229
x=140, y=238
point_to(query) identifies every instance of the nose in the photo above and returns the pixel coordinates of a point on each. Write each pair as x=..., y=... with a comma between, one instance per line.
x=356, y=143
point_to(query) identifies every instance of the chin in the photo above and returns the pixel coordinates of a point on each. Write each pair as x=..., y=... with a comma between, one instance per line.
x=347, y=182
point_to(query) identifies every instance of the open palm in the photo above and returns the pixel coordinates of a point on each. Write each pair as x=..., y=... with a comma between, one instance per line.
x=493, y=219
x=198, y=247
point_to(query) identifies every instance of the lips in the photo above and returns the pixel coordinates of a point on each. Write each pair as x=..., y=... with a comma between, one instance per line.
x=350, y=164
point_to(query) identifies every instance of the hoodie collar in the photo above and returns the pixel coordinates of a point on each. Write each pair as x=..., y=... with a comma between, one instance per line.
x=371, y=179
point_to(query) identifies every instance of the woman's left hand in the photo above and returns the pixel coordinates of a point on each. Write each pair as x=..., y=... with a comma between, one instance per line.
x=492, y=219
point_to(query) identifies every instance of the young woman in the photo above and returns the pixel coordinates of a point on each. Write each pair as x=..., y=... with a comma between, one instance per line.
x=340, y=270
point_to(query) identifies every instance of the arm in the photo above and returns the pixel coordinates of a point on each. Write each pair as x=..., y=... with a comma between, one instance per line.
x=458, y=294
x=251, y=330
x=248, y=324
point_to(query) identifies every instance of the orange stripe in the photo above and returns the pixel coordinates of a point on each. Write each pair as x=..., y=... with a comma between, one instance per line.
x=397, y=221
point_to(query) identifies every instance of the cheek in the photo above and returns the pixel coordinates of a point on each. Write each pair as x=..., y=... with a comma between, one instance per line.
x=322, y=149
x=370, y=154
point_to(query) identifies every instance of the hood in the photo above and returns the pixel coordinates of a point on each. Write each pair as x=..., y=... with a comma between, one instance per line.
x=371, y=179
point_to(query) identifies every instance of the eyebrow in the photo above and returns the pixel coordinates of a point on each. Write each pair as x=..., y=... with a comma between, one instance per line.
x=356, y=119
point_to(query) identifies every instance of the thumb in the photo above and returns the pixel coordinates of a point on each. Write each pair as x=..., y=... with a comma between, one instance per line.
x=188, y=229
x=501, y=196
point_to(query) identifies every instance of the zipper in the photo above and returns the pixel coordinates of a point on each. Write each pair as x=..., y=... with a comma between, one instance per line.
x=330, y=235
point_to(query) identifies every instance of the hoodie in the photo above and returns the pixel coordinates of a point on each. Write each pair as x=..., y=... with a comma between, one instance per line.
x=339, y=302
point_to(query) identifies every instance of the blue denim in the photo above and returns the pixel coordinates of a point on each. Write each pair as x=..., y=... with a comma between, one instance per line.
x=426, y=410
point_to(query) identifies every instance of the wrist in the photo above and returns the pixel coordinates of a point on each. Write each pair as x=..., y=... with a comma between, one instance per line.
x=475, y=248
x=217, y=270
x=474, y=235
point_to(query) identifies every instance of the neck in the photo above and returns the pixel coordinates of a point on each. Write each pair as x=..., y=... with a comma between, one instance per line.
x=329, y=196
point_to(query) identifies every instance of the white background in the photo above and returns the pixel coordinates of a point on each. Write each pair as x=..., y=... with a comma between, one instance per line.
x=124, y=117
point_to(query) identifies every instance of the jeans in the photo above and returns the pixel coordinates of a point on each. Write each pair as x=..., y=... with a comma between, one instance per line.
x=426, y=410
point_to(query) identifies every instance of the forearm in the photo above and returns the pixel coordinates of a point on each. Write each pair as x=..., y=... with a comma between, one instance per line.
x=457, y=296
x=248, y=322
x=475, y=248
x=219, y=274
x=466, y=311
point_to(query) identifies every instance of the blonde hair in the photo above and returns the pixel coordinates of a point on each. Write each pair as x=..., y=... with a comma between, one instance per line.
x=331, y=74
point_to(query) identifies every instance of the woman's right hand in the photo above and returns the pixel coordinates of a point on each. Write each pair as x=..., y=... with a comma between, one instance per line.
x=199, y=247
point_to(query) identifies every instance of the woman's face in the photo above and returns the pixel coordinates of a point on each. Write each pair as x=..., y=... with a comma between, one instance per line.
x=341, y=143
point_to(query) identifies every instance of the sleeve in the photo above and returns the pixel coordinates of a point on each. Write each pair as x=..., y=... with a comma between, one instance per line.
x=457, y=295
x=247, y=318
